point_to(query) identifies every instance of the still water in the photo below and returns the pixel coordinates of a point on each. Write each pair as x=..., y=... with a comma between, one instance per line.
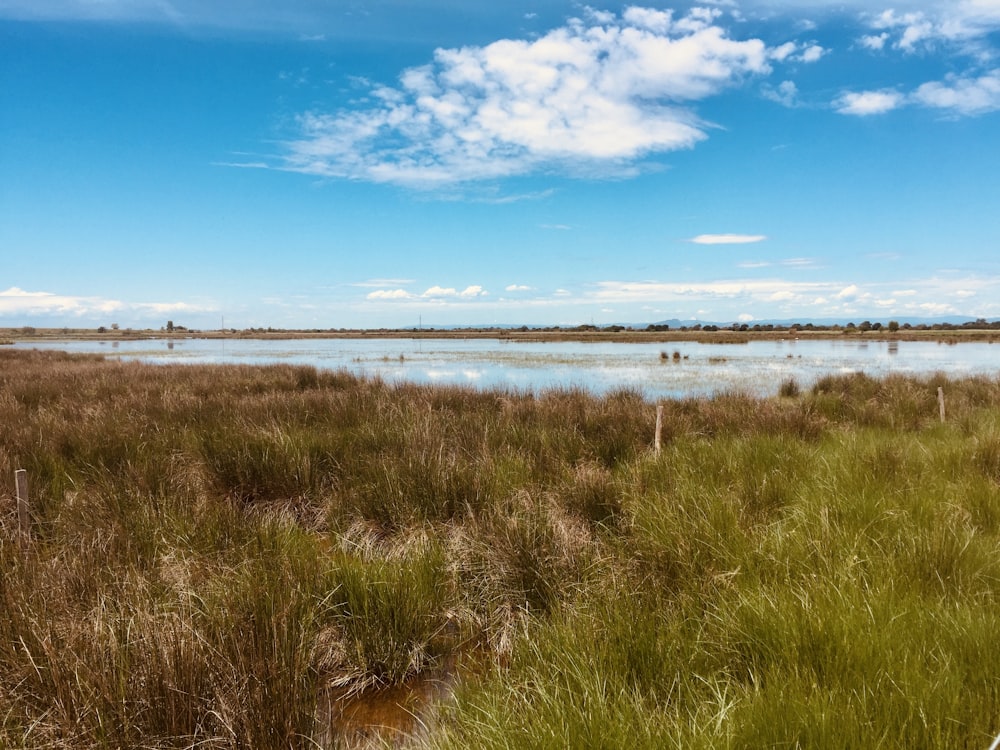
x=756, y=367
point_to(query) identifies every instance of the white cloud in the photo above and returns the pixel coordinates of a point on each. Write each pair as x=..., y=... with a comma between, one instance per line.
x=792, y=51
x=469, y=292
x=389, y=294
x=913, y=28
x=18, y=302
x=958, y=23
x=785, y=94
x=14, y=301
x=657, y=21
x=438, y=291
x=936, y=308
x=783, y=52
x=812, y=53
x=869, y=102
x=765, y=290
x=874, y=42
x=517, y=288
x=847, y=292
x=593, y=95
x=727, y=239
x=969, y=96
x=435, y=294
x=966, y=96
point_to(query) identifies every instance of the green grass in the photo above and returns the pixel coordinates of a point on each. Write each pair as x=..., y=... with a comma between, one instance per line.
x=215, y=549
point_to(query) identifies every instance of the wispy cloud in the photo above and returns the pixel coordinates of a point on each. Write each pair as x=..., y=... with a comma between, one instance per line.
x=764, y=289
x=18, y=302
x=592, y=97
x=383, y=282
x=727, y=239
x=785, y=93
x=517, y=288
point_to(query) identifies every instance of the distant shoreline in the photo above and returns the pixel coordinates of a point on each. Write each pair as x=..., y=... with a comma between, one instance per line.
x=581, y=334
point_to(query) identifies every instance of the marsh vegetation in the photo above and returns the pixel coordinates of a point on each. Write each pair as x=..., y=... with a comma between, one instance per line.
x=226, y=556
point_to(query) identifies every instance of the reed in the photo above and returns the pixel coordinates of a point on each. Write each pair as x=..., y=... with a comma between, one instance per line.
x=215, y=551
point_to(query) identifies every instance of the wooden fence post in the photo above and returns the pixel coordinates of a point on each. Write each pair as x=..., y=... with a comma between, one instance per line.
x=23, y=519
x=657, y=442
x=941, y=402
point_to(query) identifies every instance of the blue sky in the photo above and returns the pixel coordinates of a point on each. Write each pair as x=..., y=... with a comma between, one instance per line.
x=337, y=163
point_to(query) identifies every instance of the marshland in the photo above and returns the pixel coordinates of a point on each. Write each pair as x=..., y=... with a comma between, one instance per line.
x=247, y=556
x=659, y=369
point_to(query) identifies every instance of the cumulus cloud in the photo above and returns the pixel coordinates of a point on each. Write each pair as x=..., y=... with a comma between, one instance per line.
x=597, y=94
x=812, y=53
x=966, y=96
x=961, y=25
x=874, y=42
x=969, y=96
x=727, y=239
x=517, y=288
x=911, y=28
x=389, y=294
x=866, y=103
x=795, y=52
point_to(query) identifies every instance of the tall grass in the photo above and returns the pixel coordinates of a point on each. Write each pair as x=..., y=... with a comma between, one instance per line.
x=216, y=550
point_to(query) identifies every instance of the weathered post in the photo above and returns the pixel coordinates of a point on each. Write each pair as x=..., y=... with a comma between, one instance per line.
x=941, y=402
x=657, y=442
x=23, y=519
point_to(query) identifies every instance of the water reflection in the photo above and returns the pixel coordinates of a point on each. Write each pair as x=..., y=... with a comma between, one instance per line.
x=665, y=369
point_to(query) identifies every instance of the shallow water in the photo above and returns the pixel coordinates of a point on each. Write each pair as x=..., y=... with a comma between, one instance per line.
x=757, y=367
